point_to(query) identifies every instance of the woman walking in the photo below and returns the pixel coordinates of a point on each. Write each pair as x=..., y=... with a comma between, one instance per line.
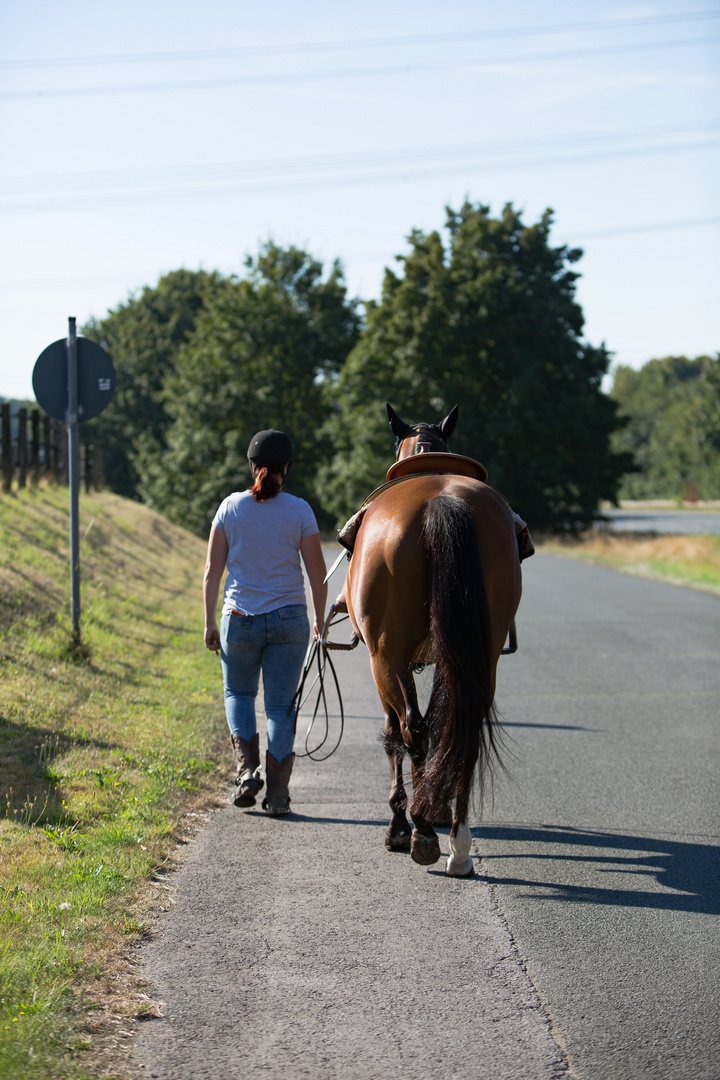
x=260, y=535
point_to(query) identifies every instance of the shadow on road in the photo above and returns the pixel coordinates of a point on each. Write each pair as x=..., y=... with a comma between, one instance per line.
x=317, y=818
x=549, y=727
x=691, y=869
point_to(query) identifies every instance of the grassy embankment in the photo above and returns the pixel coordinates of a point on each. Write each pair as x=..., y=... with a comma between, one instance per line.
x=680, y=560
x=104, y=765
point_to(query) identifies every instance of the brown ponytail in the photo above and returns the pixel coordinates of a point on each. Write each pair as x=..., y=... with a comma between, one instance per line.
x=268, y=481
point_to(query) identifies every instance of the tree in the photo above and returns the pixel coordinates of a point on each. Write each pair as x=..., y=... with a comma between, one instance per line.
x=671, y=413
x=143, y=337
x=489, y=322
x=263, y=353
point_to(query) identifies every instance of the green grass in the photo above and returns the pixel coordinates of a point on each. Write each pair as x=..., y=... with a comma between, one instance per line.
x=104, y=753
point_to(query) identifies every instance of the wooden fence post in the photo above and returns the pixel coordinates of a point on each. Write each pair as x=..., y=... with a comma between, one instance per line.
x=60, y=465
x=88, y=463
x=48, y=447
x=38, y=453
x=7, y=469
x=98, y=465
x=35, y=445
x=22, y=448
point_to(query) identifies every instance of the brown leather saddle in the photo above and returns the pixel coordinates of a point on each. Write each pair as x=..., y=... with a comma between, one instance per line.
x=456, y=464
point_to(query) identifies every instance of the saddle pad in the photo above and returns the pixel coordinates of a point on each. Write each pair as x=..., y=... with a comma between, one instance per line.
x=456, y=464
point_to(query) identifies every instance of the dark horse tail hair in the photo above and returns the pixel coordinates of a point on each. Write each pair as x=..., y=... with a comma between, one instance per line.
x=460, y=718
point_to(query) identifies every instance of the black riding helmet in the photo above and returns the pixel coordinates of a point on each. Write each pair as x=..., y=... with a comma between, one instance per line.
x=270, y=447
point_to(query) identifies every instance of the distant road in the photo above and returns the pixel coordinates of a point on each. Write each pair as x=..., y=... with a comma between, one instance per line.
x=685, y=522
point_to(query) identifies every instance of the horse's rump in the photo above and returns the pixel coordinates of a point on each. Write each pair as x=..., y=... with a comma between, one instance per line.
x=388, y=573
x=436, y=560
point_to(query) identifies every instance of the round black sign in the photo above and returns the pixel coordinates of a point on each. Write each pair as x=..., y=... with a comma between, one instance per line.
x=96, y=379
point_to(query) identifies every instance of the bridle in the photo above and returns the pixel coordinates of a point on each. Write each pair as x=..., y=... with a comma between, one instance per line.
x=429, y=440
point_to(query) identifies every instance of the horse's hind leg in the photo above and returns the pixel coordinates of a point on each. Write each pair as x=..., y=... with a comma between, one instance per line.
x=397, y=837
x=460, y=863
x=424, y=844
x=423, y=681
x=407, y=730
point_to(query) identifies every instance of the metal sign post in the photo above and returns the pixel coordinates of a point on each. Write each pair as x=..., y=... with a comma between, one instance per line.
x=74, y=380
x=74, y=474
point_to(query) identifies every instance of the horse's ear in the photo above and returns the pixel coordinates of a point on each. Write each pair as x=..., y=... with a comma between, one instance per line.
x=400, y=428
x=448, y=424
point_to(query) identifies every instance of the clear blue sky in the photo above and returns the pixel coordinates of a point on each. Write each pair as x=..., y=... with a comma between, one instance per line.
x=141, y=137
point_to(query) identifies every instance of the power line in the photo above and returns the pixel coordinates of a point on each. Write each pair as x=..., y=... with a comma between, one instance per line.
x=359, y=43
x=62, y=284
x=59, y=183
x=658, y=227
x=400, y=173
x=284, y=79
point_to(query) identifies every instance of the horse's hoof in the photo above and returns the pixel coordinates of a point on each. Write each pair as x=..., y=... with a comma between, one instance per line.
x=397, y=841
x=460, y=864
x=456, y=868
x=424, y=849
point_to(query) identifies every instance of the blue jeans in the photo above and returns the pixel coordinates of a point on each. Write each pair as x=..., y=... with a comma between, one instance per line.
x=274, y=643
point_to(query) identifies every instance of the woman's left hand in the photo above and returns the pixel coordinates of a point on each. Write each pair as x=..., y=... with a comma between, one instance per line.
x=314, y=560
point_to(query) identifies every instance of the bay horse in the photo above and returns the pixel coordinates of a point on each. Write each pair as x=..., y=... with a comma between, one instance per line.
x=435, y=578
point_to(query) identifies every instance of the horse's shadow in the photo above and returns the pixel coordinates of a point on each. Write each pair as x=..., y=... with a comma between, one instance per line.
x=318, y=819
x=691, y=869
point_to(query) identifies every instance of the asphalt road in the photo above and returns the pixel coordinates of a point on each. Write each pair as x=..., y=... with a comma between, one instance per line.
x=586, y=946
x=684, y=522
x=603, y=854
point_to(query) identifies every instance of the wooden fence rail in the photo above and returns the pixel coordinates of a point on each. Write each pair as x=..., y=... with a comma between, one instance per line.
x=34, y=449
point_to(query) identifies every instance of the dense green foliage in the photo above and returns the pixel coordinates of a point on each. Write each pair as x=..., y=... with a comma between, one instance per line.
x=264, y=353
x=143, y=337
x=483, y=315
x=671, y=409
x=490, y=323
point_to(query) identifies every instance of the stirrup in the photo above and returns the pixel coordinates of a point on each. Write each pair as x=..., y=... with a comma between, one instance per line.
x=512, y=643
x=354, y=641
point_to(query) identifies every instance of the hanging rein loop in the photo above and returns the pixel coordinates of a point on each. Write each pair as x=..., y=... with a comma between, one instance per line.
x=317, y=657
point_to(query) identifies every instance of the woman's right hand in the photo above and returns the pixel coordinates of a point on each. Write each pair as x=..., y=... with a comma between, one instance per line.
x=212, y=639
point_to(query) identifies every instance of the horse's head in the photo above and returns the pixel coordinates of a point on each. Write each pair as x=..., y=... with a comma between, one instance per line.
x=421, y=438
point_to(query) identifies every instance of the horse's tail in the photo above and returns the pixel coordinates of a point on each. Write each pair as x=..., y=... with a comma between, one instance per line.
x=460, y=717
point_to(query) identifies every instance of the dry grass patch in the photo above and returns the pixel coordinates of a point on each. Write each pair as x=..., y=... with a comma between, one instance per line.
x=681, y=560
x=106, y=763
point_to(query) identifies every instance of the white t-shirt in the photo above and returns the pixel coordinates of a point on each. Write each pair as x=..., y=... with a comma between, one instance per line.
x=263, y=563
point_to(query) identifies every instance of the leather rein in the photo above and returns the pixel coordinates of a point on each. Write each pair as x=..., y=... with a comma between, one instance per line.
x=318, y=657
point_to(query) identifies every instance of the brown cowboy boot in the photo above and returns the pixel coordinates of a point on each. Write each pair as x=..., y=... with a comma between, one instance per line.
x=348, y=534
x=248, y=780
x=277, y=800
